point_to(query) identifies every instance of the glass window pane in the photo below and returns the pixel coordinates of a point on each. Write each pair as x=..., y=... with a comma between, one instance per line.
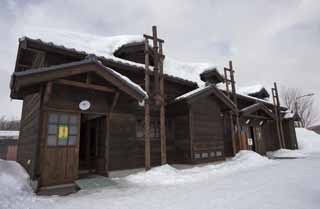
x=52, y=140
x=73, y=119
x=53, y=118
x=72, y=140
x=63, y=119
x=73, y=130
x=62, y=141
x=52, y=129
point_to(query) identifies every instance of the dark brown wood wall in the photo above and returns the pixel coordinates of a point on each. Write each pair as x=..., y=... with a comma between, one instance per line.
x=29, y=133
x=207, y=130
x=290, y=134
x=269, y=132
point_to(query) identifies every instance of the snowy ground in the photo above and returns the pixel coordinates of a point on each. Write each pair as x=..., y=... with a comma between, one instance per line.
x=247, y=181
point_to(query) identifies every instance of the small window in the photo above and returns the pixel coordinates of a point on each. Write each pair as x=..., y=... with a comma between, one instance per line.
x=73, y=130
x=204, y=155
x=212, y=154
x=218, y=153
x=53, y=118
x=63, y=119
x=62, y=129
x=52, y=140
x=197, y=155
x=72, y=140
x=52, y=129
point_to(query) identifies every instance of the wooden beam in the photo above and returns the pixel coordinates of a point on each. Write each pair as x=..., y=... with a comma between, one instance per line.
x=162, y=111
x=47, y=93
x=147, y=109
x=84, y=85
x=114, y=102
x=151, y=37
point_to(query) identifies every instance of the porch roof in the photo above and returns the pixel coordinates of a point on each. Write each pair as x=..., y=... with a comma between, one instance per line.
x=194, y=95
x=90, y=64
x=247, y=111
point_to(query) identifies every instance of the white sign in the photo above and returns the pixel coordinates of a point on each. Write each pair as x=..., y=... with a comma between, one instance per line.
x=250, y=141
x=84, y=105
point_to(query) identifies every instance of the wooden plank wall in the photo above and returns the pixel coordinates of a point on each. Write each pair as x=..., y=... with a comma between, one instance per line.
x=290, y=134
x=269, y=133
x=29, y=133
x=207, y=130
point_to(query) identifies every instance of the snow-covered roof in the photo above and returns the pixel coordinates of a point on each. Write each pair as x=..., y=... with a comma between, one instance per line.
x=105, y=46
x=89, y=59
x=192, y=93
x=248, y=90
x=9, y=135
x=222, y=87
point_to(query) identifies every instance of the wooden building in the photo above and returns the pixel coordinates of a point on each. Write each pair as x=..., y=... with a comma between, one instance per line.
x=84, y=114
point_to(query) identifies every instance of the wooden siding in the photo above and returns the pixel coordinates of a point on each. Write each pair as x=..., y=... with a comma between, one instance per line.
x=269, y=133
x=207, y=130
x=290, y=134
x=29, y=133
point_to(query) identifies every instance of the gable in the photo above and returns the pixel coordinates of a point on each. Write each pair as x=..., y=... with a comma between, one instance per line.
x=42, y=75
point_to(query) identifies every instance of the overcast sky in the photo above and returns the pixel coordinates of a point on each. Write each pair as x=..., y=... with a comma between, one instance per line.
x=268, y=40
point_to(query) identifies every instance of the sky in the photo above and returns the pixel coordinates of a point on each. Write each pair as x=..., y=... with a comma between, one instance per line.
x=267, y=40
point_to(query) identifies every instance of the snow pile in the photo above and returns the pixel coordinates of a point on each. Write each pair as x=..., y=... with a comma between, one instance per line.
x=9, y=134
x=286, y=153
x=106, y=46
x=168, y=175
x=13, y=179
x=308, y=141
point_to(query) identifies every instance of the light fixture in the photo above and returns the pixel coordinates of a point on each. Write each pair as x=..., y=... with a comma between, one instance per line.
x=248, y=121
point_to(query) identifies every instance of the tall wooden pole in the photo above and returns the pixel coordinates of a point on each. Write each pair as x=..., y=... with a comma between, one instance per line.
x=279, y=116
x=235, y=101
x=162, y=110
x=155, y=62
x=147, y=109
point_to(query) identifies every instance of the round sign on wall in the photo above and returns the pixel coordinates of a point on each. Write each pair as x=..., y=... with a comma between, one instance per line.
x=84, y=105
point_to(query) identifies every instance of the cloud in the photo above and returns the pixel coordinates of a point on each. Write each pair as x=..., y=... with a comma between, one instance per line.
x=268, y=40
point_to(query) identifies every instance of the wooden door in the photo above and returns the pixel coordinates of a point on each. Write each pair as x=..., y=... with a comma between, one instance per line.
x=259, y=142
x=61, y=154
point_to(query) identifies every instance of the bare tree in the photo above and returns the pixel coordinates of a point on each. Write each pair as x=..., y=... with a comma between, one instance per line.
x=304, y=106
x=9, y=124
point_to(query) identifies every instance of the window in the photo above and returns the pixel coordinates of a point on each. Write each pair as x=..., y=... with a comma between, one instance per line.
x=154, y=129
x=62, y=129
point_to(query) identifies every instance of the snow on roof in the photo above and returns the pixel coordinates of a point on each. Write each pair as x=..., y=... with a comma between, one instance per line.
x=191, y=93
x=9, y=134
x=106, y=46
x=222, y=86
x=288, y=115
x=250, y=89
x=88, y=59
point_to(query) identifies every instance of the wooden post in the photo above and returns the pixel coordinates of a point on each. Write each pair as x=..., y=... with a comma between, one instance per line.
x=162, y=110
x=107, y=144
x=155, y=62
x=235, y=101
x=279, y=116
x=274, y=95
x=147, y=109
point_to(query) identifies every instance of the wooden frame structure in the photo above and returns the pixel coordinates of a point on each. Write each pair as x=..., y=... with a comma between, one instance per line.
x=157, y=97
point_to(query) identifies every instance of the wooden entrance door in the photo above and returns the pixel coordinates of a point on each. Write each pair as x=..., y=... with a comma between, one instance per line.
x=61, y=154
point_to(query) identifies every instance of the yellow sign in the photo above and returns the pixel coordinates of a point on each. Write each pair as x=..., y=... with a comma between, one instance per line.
x=63, y=132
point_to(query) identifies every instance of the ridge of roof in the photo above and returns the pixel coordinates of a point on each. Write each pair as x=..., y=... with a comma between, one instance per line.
x=113, y=59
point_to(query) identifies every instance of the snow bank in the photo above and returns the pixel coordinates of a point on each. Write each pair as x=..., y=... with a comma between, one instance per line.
x=308, y=141
x=13, y=178
x=168, y=175
x=286, y=153
x=9, y=134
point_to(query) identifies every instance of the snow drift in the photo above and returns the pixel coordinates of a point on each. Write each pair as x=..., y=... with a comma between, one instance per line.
x=286, y=153
x=308, y=141
x=168, y=175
